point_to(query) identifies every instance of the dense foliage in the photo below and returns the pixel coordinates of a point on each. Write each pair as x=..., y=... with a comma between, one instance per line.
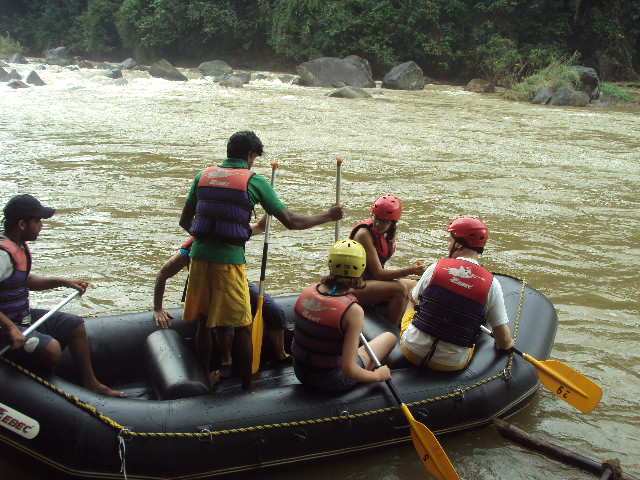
x=503, y=40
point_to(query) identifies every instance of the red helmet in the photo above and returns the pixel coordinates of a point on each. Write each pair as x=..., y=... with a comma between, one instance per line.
x=387, y=207
x=470, y=229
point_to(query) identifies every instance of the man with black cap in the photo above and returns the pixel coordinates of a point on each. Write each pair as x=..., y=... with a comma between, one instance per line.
x=23, y=216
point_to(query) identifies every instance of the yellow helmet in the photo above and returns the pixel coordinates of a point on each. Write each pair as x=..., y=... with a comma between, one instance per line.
x=347, y=258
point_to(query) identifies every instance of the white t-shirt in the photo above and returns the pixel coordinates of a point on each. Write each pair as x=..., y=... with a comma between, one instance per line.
x=6, y=265
x=447, y=353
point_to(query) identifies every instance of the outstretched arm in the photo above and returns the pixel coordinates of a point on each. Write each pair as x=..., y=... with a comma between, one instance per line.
x=296, y=221
x=176, y=263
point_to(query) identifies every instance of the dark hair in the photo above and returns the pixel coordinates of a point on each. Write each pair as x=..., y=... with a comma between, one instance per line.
x=341, y=282
x=464, y=243
x=10, y=223
x=240, y=144
x=391, y=231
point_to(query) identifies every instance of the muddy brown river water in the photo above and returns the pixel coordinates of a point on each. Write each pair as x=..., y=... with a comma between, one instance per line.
x=558, y=188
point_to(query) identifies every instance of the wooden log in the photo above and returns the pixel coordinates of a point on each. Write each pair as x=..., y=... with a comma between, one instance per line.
x=605, y=470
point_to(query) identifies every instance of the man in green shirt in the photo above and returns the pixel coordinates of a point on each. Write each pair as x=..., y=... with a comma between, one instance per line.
x=217, y=211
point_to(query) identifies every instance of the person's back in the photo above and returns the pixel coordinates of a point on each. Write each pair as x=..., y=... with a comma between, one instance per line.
x=328, y=326
x=454, y=297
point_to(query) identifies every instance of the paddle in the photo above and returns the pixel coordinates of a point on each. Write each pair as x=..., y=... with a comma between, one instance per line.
x=43, y=319
x=338, y=177
x=258, y=324
x=563, y=381
x=431, y=453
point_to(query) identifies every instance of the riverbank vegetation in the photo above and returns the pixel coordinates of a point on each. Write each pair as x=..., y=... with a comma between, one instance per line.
x=504, y=41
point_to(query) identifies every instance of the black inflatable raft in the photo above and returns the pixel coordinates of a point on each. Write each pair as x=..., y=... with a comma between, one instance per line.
x=153, y=433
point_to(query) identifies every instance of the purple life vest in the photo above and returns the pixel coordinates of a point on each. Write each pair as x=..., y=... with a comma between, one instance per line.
x=451, y=308
x=317, y=336
x=14, y=293
x=223, y=209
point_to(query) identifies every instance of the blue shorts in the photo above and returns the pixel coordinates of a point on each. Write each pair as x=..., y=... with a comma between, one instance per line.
x=58, y=326
x=272, y=313
x=331, y=380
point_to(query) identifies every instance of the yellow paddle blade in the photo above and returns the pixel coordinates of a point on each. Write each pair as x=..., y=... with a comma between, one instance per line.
x=256, y=335
x=567, y=384
x=433, y=457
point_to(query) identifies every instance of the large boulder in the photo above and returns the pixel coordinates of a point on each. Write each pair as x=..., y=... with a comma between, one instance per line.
x=349, y=92
x=15, y=84
x=406, y=76
x=480, y=85
x=18, y=58
x=333, y=72
x=4, y=76
x=163, y=69
x=572, y=98
x=588, y=79
x=215, y=68
x=34, y=79
x=13, y=75
x=360, y=63
x=543, y=96
x=57, y=56
x=128, y=64
x=232, y=81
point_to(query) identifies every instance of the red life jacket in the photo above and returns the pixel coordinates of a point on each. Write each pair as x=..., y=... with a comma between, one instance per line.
x=223, y=209
x=14, y=293
x=384, y=248
x=451, y=308
x=318, y=336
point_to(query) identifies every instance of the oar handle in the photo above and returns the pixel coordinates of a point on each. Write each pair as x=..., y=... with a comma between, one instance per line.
x=43, y=319
x=367, y=347
x=265, y=248
x=490, y=333
x=338, y=189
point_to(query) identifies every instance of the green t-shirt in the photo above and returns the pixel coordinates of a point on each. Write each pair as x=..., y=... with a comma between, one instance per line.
x=259, y=190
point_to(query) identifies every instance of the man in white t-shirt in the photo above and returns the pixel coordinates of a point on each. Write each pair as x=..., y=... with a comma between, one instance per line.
x=453, y=298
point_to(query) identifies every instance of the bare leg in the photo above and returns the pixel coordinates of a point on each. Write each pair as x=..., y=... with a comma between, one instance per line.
x=382, y=346
x=203, y=344
x=276, y=337
x=395, y=292
x=50, y=357
x=245, y=354
x=225, y=342
x=79, y=347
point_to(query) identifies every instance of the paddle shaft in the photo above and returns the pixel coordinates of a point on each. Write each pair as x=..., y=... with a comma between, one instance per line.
x=338, y=188
x=43, y=319
x=258, y=323
x=391, y=386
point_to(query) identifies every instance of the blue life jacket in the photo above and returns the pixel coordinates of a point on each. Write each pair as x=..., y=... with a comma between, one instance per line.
x=317, y=336
x=223, y=208
x=451, y=308
x=14, y=293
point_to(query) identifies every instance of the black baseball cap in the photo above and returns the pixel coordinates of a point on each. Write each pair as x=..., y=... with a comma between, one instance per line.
x=26, y=206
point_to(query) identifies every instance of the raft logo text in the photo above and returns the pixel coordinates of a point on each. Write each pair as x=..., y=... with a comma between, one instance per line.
x=18, y=422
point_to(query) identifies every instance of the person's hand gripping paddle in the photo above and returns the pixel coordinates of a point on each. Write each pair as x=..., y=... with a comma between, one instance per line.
x=563, y=381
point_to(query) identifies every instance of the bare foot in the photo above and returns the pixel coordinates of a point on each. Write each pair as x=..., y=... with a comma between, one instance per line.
x=101, y=389
x=214, y=378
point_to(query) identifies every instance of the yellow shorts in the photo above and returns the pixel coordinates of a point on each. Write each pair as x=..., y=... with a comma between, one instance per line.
x=416, y=360
x=219, y=292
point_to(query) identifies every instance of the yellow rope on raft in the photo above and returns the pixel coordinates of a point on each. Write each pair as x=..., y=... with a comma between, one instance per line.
x=123, y=432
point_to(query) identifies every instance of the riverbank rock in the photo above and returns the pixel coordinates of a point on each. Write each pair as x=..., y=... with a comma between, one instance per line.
x=115, y=73
x=215, y=68
x=18, y=58
x=128, y=64
x=15, y=84
x=588, y=79
x=360, y=63
x=349, y=92
x=57, y=56
x=334, y=72
x=406, y=76
x=163, y=69
x=480, y=85
x=34, y=79
x=13, y=75
x=543, y=96
x=231, y=81
x=4, y=76
x=572, y=98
